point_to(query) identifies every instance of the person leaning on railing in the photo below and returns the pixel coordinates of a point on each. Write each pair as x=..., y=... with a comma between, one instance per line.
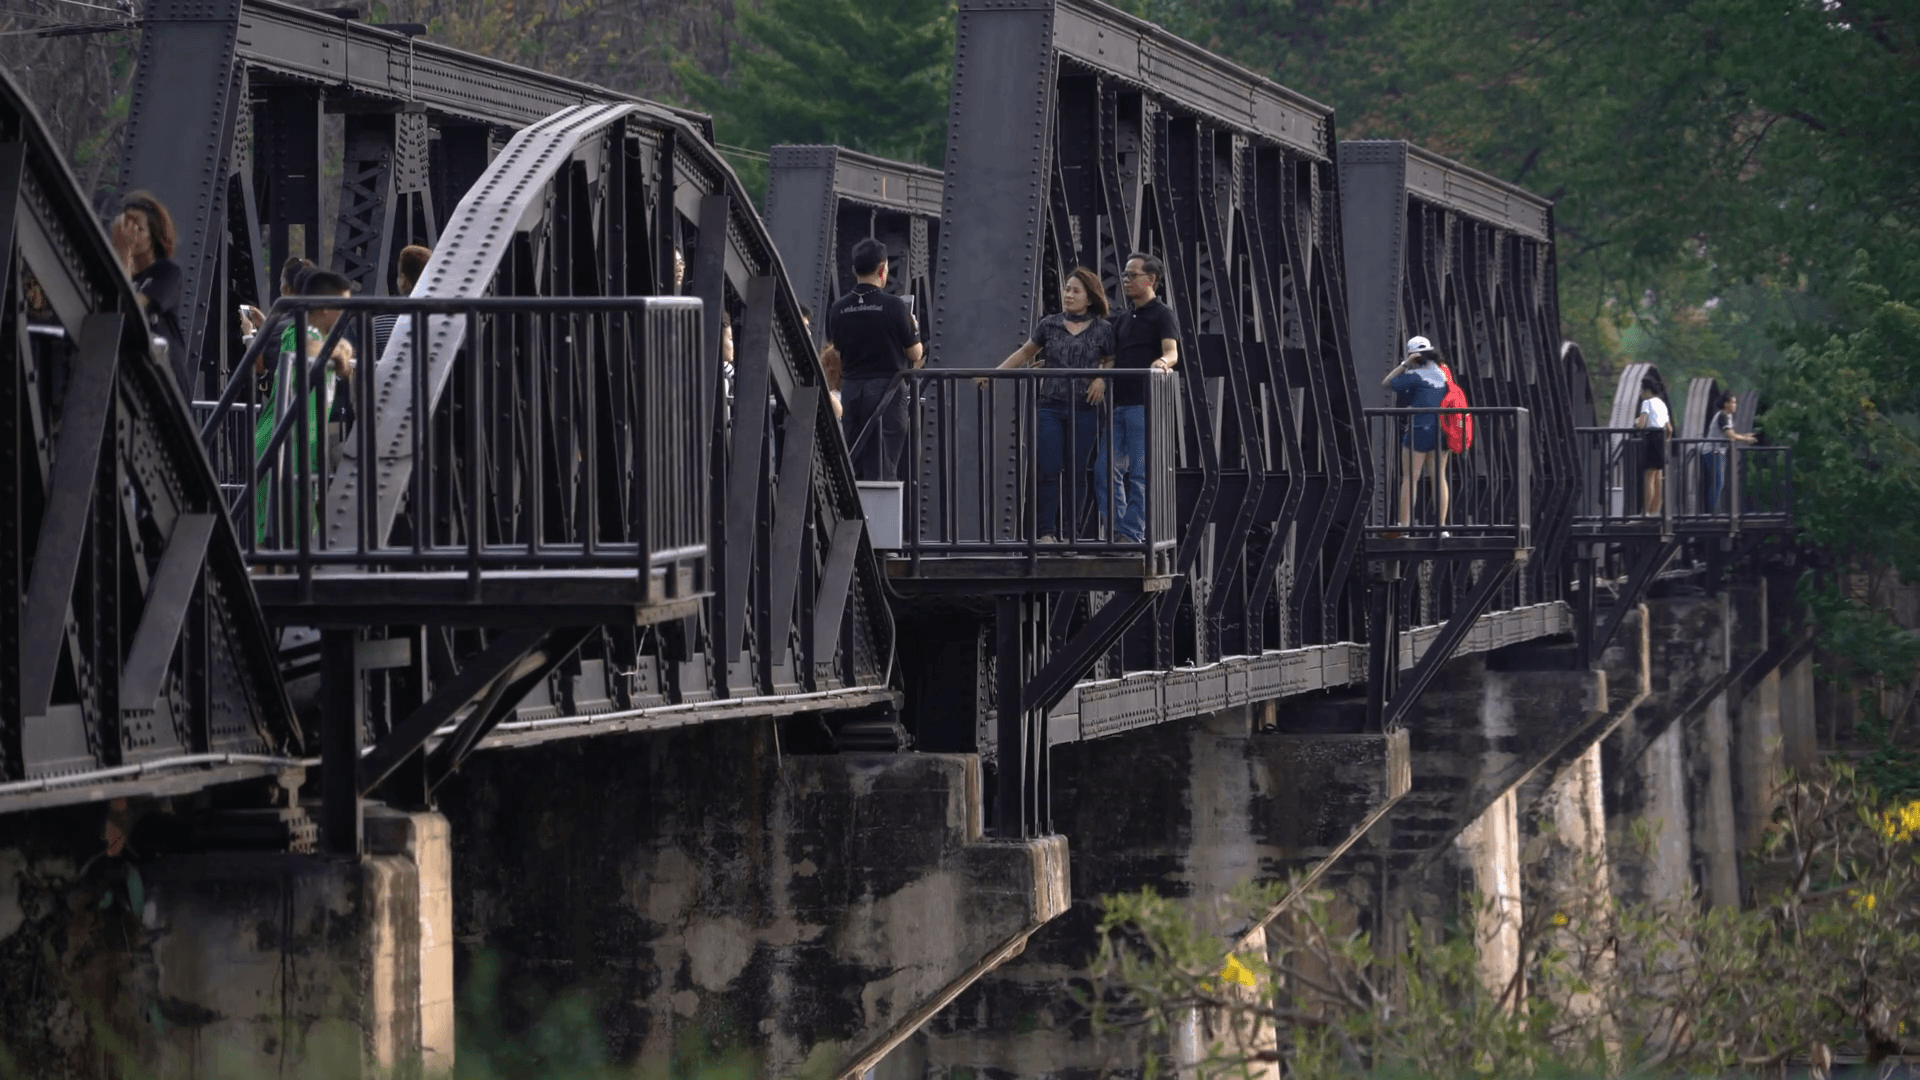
x=288, y=369
x=1077, y=336
x=1420, y=382
x=1722, y=435
x=1146, y=337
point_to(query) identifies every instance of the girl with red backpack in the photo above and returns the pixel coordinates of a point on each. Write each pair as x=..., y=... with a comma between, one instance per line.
x=1424, y=382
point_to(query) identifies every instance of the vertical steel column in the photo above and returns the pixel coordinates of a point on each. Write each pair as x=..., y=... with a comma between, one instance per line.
x=1012, y=789
x=1383, y=642
x=287, y=173
x=341, y=715
x=180, y=124
x=363, y=233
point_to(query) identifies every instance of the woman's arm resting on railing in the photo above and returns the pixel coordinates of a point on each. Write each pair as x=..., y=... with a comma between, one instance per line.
x=1018, y=358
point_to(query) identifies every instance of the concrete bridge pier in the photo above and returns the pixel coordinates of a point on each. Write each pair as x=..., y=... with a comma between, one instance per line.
x=127, y=951
x=699, y=891
x=1673, y=768
x=1192, y=808
x=1491, y=738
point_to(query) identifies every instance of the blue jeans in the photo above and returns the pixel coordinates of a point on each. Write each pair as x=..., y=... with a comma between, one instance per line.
x=1125, y=476
x=1716, y=479
x=1060, y=423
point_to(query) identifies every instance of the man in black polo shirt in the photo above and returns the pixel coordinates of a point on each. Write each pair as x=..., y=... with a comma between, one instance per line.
x=871, y=338
x=1147, y=337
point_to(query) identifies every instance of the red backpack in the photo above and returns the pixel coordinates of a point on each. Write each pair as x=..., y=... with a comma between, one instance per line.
x=1458, y=427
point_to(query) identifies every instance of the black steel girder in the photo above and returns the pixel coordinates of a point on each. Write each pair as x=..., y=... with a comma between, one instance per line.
x=134, y=640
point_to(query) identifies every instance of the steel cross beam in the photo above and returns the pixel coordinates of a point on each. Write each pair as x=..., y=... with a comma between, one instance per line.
x=136, y=641
x=821, y=200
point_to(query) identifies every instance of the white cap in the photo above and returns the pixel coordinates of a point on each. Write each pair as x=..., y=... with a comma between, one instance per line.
x=1417, y=344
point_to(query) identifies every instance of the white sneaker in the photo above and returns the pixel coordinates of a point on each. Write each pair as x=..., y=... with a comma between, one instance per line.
x=1445, y=535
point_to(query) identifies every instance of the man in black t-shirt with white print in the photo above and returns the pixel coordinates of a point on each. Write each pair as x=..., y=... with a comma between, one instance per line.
x=1147, y=337
x=871, y=337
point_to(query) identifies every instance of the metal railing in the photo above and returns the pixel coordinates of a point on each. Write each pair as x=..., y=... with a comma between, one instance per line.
x=1005, y=462
x=1706, y=483
x=513, y=433
x=1488, y=488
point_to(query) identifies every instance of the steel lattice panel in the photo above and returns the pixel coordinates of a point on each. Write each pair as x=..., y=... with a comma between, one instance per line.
x=130, y=629
x=1079, y=134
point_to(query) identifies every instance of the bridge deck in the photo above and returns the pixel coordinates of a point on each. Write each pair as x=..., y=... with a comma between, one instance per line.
x=494, y=598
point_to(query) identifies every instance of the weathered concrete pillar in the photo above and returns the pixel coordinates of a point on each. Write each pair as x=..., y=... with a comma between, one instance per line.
x=1669, y=766
x=1489, y=847
x=1753, y=714
x=1799, y=731
x=1193, y=809
x=1490, y=733
x=202, y=966
x=424, y=840
x=702, y=893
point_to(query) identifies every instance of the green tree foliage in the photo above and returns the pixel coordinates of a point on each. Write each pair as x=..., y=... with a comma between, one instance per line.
x=1828, y=967
x=870, y=77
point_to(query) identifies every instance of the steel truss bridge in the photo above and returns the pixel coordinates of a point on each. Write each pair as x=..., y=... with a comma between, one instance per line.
x=557, y=513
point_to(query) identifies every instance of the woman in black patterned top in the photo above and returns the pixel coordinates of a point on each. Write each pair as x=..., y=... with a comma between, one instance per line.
x=1077, y=337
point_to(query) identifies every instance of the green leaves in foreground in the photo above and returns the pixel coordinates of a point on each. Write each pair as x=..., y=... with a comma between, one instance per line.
x=1828, y=965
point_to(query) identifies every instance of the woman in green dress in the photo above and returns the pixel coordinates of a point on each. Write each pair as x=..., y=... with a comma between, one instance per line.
x=305, y=279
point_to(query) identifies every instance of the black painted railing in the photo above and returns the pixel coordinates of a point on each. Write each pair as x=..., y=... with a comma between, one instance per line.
x=1486, y=502
x=521, y=434
x=1705, y=484
x=1010, y=463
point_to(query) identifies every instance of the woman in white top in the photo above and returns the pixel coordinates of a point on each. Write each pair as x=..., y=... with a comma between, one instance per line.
x=1658, y=424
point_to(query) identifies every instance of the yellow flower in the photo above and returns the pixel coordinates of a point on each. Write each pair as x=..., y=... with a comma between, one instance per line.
x=1237, y=972
x=1902, y=824
x=1560, y=918
x=1865, y=902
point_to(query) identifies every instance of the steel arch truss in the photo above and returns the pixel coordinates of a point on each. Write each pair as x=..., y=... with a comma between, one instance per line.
x=129, y=636
x=594, y=202
x=1079, y=135
x=609, y=188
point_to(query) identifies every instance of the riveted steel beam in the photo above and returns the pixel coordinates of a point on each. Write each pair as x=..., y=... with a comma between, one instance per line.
x=136, y=634
x=821, y=200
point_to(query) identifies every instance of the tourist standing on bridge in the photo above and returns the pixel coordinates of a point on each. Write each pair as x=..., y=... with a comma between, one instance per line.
x=1721, y=436
x=413, y=263
x=307, y=280
x=1077, y=336
x=1146, y=337
x=143, y=237
x=1657, y=423
x=872, y=338
x=1421, y=384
